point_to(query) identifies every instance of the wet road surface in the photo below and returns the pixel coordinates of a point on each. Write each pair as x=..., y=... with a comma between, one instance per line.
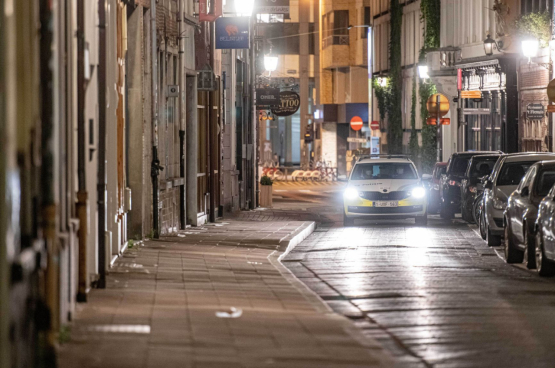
x=434, y=296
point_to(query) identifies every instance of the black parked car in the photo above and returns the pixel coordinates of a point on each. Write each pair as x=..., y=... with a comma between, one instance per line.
x=522, y=211
x=450, y=186
x=545, y=236
x=478, y=167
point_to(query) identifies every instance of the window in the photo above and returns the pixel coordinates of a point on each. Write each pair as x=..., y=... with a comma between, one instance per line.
x=384, y=171
x=459, y=165
x=545, y=183
x=335, y=26
x=532, y=6
x=285, y=39
x=364, y=30
x=482, y=167
x=512, y=173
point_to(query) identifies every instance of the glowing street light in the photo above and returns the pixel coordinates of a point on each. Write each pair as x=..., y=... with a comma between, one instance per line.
x=270, y=62
x=530, y=47
x=423, y=72
x=244, y=7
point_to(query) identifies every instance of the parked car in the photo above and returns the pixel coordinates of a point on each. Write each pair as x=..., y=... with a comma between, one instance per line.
x=434, y=199
x=504, y=179
x=545, y=235
x=450, y=187
x=471, y=184
x=522, y=211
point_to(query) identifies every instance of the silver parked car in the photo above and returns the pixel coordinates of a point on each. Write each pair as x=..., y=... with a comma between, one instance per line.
x=504, y=179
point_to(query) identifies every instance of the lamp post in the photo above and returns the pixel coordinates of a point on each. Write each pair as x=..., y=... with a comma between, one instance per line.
x=530, y=48
x=489, y=45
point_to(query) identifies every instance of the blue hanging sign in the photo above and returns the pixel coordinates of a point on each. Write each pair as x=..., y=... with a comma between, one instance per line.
x=233, y=33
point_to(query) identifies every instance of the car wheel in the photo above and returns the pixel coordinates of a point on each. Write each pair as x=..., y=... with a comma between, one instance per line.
x=421, y=220
x=544, y=266
x=529, y=250
x=348, y=221
x=512, y=254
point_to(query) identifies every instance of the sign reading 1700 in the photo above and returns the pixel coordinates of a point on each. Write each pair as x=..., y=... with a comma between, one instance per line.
x=289, y=104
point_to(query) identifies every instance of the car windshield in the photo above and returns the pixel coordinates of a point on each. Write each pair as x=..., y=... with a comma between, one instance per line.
x=459, y=165
x=513, y=172
x=482, y=167
x=384, y=170
x=439, y=171
x=545, y=182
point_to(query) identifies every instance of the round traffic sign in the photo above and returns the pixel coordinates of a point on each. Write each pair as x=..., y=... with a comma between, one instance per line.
x=356, y=123
x=375, y=125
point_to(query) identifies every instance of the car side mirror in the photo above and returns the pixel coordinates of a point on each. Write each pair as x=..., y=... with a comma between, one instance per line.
x=525, y=192
x=426, y=177
x=488, y=184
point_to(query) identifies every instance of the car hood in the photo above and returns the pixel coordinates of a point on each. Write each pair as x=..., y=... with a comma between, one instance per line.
x=504, y=191
x=381, y=185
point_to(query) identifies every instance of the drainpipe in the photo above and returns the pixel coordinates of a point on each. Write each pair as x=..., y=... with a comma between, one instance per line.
x=254, y=120
x=155, y=165
x=101, y=186
x=181, y=109
x=47, y=177
x=82, y=195
x=212, y=132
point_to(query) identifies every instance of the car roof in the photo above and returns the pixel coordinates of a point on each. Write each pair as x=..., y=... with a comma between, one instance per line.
x=384, y=159
x=524, y=156
x=485, y=156
x=476, y=153
x=439, y=164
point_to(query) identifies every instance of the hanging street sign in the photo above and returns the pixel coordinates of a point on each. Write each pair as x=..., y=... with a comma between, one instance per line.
x=289, y=103
x=272, y=7
x=356, y=123
x=267, y=98
x=356, y=140
x=535, y=111
x=471, y=94
x=232, y=33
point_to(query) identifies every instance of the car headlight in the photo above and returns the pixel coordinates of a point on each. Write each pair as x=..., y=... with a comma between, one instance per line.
x=350, y=193
x=418, y=192
x=499, y=204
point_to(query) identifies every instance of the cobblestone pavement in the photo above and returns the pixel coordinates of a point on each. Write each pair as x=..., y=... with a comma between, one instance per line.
x=213, y=297
x=433, y=296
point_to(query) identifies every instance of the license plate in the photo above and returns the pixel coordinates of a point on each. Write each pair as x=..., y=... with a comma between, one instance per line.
x=386, y=204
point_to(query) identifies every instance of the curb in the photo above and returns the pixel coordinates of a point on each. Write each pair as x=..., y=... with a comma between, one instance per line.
x=292, y=240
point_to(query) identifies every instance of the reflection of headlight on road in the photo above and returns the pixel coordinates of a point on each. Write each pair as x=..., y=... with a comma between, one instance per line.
x=499, y=204
x=350, y=193
x=418, y=192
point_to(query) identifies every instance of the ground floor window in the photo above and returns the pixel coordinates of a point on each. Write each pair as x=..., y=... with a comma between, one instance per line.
x=484, y=121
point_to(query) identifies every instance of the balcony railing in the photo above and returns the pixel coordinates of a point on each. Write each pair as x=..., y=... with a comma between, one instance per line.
x=335, y=40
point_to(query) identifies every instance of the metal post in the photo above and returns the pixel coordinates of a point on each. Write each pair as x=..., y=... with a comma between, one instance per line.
x=438, y=123
x=213, y=133
x=82, y=195
x=101, y=186
x=254, y=121
x=181, y=109
x=155, y=165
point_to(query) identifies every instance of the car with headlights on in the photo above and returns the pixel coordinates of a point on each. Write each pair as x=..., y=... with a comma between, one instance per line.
x=385, y=187
x=478, y=167
x=522, y=212
x=450, y=187
x=504, y=179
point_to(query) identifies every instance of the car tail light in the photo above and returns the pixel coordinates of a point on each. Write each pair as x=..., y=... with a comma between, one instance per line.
x=454, y=183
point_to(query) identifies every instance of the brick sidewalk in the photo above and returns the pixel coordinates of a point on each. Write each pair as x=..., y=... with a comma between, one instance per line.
x=167, y=301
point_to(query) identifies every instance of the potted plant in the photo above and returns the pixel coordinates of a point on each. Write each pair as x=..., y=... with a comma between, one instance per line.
x=266, y=191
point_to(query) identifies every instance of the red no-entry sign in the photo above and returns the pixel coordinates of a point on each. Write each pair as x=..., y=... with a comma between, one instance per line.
x=356, y=123
x=375, y=125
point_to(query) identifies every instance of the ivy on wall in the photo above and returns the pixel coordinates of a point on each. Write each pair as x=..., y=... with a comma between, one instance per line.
x=430, y=16
x=382, y=95
x=395, y=100
x=537, y=25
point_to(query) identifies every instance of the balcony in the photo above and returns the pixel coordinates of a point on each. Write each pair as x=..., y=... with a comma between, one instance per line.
x=442, y=61
x=335, y=40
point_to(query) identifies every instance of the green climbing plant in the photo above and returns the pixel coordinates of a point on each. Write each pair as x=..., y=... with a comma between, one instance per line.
x=394, y=102
x=537, y=25
x=382, y=95
x=430, y=17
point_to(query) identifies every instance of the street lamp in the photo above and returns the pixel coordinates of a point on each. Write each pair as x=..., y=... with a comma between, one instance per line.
x=423, y=72
x=489, y=44
x=270, y=62
x=244, y=7
x=530, y=47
